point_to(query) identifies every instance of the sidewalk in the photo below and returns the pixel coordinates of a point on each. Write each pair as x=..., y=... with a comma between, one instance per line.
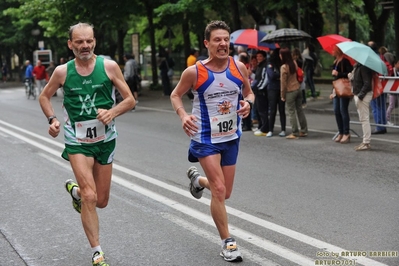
x=322, y=105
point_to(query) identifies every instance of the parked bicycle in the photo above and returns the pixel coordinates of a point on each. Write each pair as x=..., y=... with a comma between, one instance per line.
x=30, y=89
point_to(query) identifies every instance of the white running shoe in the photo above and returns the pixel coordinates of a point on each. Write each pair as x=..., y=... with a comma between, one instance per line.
x=230, y=251
x=192, y=174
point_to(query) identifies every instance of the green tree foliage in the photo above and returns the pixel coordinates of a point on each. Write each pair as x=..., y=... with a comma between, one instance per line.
x=358, y=19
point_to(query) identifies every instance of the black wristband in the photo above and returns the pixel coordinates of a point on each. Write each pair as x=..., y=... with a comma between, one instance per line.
x=250, y=103
x=50, y=119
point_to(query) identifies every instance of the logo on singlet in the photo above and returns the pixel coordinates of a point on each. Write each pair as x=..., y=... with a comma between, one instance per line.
x=224, y=107
x=85, y=81
x=88, y=104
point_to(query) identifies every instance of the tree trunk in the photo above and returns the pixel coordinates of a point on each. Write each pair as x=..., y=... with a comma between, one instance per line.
x=154, y=65
x=377, y=24
x=186, y=38
x=255, y=14
x=121, y=36
x=396, y=23
x=352, y=29
x=236, y=15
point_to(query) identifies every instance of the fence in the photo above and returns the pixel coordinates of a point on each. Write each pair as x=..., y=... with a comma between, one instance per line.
x=384, y=109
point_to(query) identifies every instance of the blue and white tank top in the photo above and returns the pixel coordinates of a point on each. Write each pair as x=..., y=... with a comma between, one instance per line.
x=216, y=100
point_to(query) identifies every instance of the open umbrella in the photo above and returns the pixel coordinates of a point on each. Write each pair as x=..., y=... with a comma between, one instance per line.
x=364, y=55
x=285, y=35
x=328, y=42
x=250, y=38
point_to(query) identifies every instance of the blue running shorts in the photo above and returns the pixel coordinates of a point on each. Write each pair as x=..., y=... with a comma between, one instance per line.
x=228, y=151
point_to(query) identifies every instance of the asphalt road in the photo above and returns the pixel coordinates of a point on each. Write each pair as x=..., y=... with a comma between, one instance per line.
x=295, y=202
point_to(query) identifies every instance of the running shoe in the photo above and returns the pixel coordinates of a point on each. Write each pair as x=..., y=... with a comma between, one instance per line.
x=192, y=174
x=230, y=251
x=99, y=259
x=76, y=203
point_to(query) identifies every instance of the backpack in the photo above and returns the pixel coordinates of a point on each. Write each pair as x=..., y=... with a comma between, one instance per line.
x=299, y=74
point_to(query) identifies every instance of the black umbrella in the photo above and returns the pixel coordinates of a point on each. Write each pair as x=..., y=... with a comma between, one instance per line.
x=286, y=35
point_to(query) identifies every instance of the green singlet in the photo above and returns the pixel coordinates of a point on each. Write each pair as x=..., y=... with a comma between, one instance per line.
x=83, y=95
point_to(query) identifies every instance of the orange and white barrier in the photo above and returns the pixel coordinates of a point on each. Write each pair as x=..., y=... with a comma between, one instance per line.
x=391, y=84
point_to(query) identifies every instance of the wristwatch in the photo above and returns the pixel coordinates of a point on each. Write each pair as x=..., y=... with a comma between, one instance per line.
x=250, y=102
x=50, y=119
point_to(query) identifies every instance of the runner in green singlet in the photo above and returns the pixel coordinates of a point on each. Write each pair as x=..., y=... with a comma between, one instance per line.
x=89, y=106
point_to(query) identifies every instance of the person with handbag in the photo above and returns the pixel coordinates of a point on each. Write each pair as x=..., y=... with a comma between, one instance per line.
x=292, y=95
x=341, y=95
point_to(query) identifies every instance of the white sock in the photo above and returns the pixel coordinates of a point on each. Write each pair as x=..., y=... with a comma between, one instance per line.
x=196, y=182
x=75, y=193
x=95, y=249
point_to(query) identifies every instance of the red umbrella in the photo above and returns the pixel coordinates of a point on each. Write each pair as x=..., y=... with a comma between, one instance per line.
x=328, y=42
x=251, y=39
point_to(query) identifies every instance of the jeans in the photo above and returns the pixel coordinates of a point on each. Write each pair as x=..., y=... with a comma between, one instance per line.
x=378, y=106
x=392, y=102
x=294, y=107
x=274, y=101
x=363, y=109
x=263, y=110
x=309, y=80
x=341, y=112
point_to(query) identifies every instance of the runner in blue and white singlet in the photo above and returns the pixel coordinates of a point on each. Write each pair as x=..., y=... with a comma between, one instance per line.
x=216, y=100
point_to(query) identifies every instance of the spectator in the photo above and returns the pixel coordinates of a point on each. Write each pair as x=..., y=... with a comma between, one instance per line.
x=361, y=83
x=387, y=56
x=246, y=122
x=49, y=72
x=62, y=61
x=378, y=105
x=309, y=67
x=297, y=56
x=39, y=72
x=342, y=67
x=291, y=94
x=254, y=65
x=167, y=63
x=192, y=58
x=260, y=91
x=130, y=74
x=393, y=98
x=4, y=72
x=274, y=92
x=50, y=69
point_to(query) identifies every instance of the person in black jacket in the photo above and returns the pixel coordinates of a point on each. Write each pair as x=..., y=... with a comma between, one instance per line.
x=166, y=63
x=274, y=92
x=361, y=82
x=260, y=91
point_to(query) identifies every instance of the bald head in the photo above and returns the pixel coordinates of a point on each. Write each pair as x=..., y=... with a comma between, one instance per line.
x=80, y=25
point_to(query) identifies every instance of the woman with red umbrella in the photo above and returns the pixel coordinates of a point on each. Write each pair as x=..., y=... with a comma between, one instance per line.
x=342, y=67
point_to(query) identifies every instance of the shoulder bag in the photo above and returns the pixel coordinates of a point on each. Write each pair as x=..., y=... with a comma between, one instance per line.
x=343, y=87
